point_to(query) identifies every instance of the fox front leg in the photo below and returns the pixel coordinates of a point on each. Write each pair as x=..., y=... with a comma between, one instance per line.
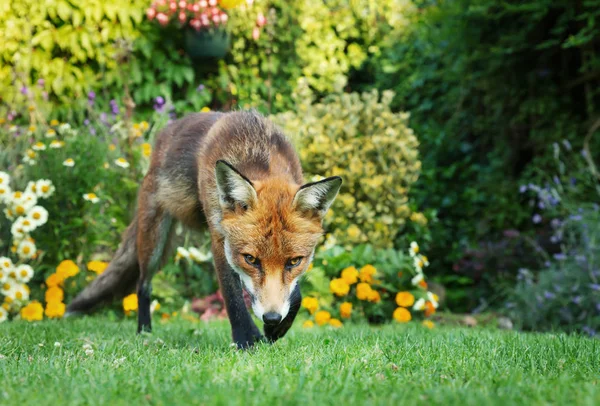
x=275, y=332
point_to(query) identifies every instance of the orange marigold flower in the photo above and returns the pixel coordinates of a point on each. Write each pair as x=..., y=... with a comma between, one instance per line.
x=335, y=323
x=374, y=296
x=308, y=324
x=54, y=294
x=405, y=299
x=402, y=315
x=350, y=275
x=32, y=312
x=66, y=269
x=339, y=287
x=97, y=266
x=363, y=290
x=55, y=310
x=366, y=273
x=322, y=317
x=429, y=309
x=54, y=280
x=423, y=284
x=346, y=310
x=311, y=304
x=429, y=324
x=130, y=303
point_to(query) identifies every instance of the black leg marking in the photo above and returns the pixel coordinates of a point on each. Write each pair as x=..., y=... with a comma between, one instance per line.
x=144, y=319
x=274, y=333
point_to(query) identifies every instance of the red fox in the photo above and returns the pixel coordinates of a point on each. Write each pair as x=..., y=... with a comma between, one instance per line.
x=237, y=173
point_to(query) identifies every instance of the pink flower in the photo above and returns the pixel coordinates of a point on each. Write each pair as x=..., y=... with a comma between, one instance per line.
x=203, y=3
x=162, y=2
x=255, y=33
x=224, y=18
x=162, y=18
x=150, y=13
x=212, y=2
x=182, y=17
x=196, y=24
x=195, y=8
x=216, y=19
x=173, y=6
x=261, y=20
x=182, y=4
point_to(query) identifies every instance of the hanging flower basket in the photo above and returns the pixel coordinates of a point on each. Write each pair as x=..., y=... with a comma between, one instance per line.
x=203, y=44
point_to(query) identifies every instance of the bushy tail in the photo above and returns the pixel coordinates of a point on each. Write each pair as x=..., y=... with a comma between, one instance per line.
x=118, y=280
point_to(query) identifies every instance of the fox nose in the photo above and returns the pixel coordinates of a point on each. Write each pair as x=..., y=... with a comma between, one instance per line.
x=272, y=318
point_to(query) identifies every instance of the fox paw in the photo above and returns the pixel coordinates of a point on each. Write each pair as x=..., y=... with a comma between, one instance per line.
x=246, y=339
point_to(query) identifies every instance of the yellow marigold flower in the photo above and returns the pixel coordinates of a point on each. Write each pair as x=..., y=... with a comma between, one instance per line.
x=55, y=310
x=366, y=273
x=205, y=109
x=353, y=231
x=322, y=317
x=339, y=287
x=146, y=149
x=429, y=324
x=66, y=269
x=374, y=296
x=346, y=310
x=97, y=266
x=130, y=303
x=31, y=107
x=405, y=299
x=402, y=315
x=363, y=290
x=54, y=280
x=54, y=294
x=32, y=312
x=350, y=275
x=311, y=304
x=54, y=123
x=335, y=323
x=308, y=324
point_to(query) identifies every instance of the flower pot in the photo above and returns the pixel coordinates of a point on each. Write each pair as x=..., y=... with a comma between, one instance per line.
x=205, y=44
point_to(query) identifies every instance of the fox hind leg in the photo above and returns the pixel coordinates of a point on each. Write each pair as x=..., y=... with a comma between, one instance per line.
x=154, y=233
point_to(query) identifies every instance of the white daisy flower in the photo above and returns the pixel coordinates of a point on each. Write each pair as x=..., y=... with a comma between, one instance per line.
x=414, y=249
x=31, y=130
x=122, y=163
x=26, y=249
x=6, y=264
x=24, y=203
x=418, y=262
x=55, y=144
x=182, y=253
x=31, y=187
x=3, y=275
x=9, y=214
x=7, y=287
x=17, y=231
x=5, y=193
x=3, y=315
x=16, y=197
x=198, y=256
x=69, y=162
x=13, y=128
x=39, y=146
x=419, y=305
x=50, y=133
x=24, y=273
x=64, y=127
x=20, y=293
x=45, y=188
x=38, y=215
x=432, y=298
x=29, y=160
x=25, y=224
x=417, y=279
x=154, y=306
x=91, y=197
x=4, y=178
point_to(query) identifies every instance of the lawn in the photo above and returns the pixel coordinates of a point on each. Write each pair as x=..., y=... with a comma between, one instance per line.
x=95, y=360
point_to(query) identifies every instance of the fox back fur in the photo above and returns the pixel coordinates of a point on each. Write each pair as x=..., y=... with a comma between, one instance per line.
x=239, y=175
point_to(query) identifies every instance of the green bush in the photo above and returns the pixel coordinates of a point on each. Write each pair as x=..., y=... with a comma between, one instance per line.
x=358, y=137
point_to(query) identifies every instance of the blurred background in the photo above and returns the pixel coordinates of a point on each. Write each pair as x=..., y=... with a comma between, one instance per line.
x=469, y=127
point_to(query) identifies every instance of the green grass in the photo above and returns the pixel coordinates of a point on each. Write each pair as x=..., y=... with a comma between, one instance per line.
x=185, y=363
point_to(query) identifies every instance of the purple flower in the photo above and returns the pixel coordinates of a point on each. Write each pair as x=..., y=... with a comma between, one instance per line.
x=24, y=90
x=547, y=264
x=583, y=153
x=92, y=131
x=595, y=286
x=554, y=239
x=536, y=218
x=573, y=181
x=86, y=122
x=114, y=107
x=91, y=95
x=588, y=330
x=103, y=118
x=541, y=205
x=555, y=223
x=160, y=101
x=41, y=82
x=580, y=258
x=549, y=295
x=575, y=217
x=577, y=300
x=556, y=180
x=560, y=256
x=200, y=88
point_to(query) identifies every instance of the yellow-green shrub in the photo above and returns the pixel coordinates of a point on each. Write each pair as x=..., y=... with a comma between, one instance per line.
x=68, y=44
x=358, y=137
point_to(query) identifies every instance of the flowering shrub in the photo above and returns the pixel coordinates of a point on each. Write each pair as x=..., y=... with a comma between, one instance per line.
x=358, y=137
x=566, y=294
x=345, y=285
x=21, y=208
x=199, y=15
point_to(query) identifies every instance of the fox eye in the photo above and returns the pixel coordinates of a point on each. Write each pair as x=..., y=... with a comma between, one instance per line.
x=294, y=262
x=251, y=260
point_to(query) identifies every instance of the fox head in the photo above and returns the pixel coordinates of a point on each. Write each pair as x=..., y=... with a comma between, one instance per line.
x=270, y=229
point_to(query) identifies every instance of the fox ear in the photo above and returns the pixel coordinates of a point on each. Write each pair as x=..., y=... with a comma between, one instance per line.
x=316, y=197
x=234, y=189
